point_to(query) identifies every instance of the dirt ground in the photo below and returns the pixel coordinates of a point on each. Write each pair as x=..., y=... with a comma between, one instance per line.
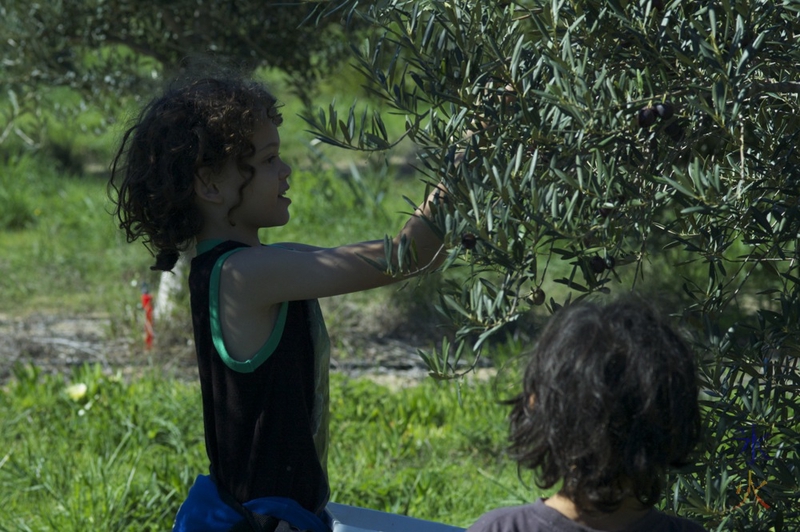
x=57, y=343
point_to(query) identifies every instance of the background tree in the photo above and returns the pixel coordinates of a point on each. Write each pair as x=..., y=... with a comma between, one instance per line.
x=109, y=50
x=606, y=145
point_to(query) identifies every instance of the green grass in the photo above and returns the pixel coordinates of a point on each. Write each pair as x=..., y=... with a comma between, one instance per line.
x=123, y=455
x=421, y=451
x=66, y=253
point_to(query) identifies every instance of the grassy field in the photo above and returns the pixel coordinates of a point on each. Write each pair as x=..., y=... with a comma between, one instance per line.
x=90, y=451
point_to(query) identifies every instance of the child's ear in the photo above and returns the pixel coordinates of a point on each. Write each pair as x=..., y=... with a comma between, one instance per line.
x=205, y=188
x=531, y=401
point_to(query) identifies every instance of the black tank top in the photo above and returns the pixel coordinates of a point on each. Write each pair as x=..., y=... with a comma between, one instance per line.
x=265, y=430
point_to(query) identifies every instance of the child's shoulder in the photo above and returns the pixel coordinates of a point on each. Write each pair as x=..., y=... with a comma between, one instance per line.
x=525, y=518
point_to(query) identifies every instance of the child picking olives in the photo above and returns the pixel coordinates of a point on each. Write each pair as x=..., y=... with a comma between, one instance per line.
x=202, y=166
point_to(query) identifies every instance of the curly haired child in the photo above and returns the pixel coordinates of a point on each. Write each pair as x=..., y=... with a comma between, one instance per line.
x=609, y=402
x=202, y=166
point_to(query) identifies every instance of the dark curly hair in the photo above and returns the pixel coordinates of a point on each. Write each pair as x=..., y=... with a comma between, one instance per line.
x=201, y=124
x=609, y=402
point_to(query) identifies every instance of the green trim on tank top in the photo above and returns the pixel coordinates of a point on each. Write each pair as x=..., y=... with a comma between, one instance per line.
x=266, y=350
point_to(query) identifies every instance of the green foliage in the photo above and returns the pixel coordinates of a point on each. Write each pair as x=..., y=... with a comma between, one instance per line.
x=424, y=436
x=91, y=451
x=95, y=45
x=58, y=242
x=95, y=453
x=594, y=145
x=110, y=51
x=16, y=208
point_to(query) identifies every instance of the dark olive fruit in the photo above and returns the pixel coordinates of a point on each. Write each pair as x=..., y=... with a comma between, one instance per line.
x=468, y=240
x=597, y=264
x=647, y=117
x=610, y=262
x=658, y=5
x=537, y=297
x=665, y=110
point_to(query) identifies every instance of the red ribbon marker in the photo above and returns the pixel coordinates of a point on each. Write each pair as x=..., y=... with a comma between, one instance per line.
x=147, y=306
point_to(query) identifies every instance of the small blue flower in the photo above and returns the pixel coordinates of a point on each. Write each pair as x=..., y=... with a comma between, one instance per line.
x=752, y=444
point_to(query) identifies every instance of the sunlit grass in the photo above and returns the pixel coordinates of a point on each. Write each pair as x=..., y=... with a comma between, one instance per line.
x=69, y=255
x=110, y=454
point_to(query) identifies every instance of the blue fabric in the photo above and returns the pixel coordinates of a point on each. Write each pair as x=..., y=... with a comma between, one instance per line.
x=203, y=510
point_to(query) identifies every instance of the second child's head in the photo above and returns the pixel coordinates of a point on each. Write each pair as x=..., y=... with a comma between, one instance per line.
x=609, y=403
x=192, y=129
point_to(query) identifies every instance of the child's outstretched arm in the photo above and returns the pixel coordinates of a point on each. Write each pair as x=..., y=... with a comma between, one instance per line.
x=264, y=276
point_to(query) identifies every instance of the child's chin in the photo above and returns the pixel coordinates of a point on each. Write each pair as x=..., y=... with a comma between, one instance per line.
x=278, y=222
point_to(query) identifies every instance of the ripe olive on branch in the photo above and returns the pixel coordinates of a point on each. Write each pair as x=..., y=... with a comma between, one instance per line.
x=665, y=110
x=536, y=297
x=647, y=117
x=597, y=264
x=468, y=240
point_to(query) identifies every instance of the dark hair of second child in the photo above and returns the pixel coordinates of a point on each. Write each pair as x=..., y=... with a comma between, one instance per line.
x=609, y=403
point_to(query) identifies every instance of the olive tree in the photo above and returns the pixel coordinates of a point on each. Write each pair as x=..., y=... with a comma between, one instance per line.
x=593, y=146
x=109, y=50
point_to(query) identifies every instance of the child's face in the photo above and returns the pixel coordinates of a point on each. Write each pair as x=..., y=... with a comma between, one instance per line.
x=263, y=200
